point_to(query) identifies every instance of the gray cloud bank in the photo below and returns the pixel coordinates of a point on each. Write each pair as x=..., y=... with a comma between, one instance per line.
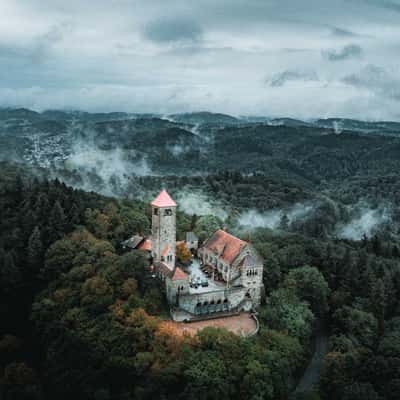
x=347, y=52
x=173, y=30
x=171, y=56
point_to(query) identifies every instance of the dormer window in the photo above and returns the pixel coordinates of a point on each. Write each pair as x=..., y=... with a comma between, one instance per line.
x=167, y=212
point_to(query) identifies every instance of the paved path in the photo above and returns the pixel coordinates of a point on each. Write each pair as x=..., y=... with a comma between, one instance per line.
x=311, y=376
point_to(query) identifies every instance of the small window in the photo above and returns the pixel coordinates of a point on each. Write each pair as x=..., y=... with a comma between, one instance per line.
x=155, y=211
x=167, y=212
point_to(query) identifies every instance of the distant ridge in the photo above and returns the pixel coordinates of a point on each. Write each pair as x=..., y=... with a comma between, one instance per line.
x=204, y=117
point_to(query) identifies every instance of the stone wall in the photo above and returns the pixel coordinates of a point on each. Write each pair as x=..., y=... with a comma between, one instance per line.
x=180, y=286
x=216, y=301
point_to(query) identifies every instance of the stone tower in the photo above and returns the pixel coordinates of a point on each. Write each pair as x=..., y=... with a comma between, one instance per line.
x=163, y=229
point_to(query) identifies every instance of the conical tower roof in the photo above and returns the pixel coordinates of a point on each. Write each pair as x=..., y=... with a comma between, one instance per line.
x=163, y=200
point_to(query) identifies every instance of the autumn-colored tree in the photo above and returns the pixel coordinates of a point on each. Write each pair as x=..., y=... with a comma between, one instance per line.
x=183, y=254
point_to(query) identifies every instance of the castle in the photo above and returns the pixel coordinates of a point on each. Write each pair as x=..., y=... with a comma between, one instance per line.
x=224, y=275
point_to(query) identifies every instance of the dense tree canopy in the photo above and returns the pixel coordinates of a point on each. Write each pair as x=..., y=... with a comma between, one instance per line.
x=84, y=319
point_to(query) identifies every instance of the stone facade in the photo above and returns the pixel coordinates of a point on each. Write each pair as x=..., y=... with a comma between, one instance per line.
x=164, y=229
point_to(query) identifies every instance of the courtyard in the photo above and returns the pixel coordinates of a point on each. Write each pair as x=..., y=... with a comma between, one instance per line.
x=194, y=271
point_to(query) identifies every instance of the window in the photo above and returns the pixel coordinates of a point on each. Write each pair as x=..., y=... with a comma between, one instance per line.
x=156, y=211
x=167, y=212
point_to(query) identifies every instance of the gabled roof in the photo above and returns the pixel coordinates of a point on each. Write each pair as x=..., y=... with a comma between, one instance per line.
x=179, y=275
x=133, y=242
x=248, y=261
x=163, y=200
x=225, y=245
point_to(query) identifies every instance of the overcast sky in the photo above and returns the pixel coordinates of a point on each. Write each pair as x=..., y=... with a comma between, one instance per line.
x=298, y=58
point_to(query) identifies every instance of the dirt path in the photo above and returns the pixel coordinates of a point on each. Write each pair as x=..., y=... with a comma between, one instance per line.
x=311, y=376
x=242, y=325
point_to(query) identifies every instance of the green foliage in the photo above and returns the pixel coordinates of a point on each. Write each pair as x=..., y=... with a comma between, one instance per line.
x=286, y=312
x=360, y=326
x=206, y=226
x=310, y=285
x=92, y=308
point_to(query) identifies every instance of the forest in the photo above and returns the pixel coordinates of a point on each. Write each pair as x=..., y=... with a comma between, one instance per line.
x=82, y=318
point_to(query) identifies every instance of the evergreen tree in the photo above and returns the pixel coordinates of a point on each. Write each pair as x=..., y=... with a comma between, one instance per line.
x=56, y=222
x=193, y=222
x=42, y=207
x=10, y=275
x=378, y=304
x=35, y=250
x=284, y=222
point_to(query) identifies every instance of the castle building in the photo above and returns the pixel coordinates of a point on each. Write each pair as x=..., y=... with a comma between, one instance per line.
x=225, y=275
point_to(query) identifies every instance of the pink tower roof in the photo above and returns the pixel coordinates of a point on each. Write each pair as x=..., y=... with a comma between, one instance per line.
x=163, y=200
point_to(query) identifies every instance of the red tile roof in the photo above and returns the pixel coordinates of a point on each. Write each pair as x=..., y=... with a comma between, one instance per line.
x=179, y=275
x=227, y=246
x=163, y=200
x=165, y=251
x=146, y=245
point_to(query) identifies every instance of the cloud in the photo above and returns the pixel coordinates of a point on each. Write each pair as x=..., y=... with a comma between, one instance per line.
x=367, y=222
x=377, y=80
x=172, y=30
x=282, y=78
x=112, y=168
x=158, y=56
x=44, y=43
x=347, y=52
x=340, y=32
x=386, y=4
x=253, y=219
x=198, y=203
